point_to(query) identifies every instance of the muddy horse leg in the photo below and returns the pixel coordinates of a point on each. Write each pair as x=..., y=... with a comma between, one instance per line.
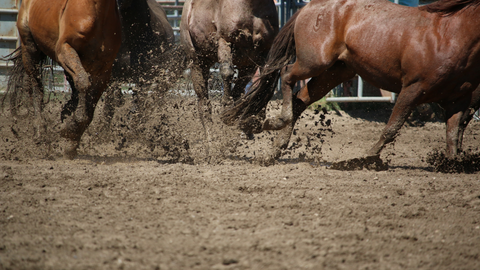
x=199, y=73
x=467, y=117
x=286, y=115
x=244, y=76
x=32, y=58
x=75, y=113
x=71, y=104
x=301, y=70
x=315, y=89
x=407, y=101
x=226, y=69
x=457, y=116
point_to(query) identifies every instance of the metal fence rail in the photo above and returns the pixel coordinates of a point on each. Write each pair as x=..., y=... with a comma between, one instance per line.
x=173, y=8
x=8, y=36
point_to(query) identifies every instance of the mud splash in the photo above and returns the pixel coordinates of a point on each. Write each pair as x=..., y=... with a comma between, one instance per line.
x=465, y=162
x=374, y=163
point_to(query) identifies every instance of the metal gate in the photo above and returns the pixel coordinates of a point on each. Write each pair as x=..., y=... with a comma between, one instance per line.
x=8, y=35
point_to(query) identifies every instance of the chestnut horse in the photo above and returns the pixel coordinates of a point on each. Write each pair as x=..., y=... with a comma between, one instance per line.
x=233, y=33
x=83, y=36
x=426, y=54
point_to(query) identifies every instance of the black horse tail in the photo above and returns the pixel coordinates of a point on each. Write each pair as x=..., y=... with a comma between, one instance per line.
x=281, y=54
x=15, y=79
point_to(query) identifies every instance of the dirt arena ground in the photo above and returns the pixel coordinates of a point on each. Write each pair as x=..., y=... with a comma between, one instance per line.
x=141, y=196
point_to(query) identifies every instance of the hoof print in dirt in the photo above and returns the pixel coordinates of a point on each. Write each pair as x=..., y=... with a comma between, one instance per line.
x=463, y=163
x=374, y=163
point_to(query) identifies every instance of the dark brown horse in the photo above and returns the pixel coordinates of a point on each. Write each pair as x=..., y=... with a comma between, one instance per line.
x=84, y=38
x=233, y=33
x=426, y=54
x=146, y=37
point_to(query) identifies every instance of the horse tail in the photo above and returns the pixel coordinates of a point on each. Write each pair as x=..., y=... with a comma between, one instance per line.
x=281, y=54
x=15, y=80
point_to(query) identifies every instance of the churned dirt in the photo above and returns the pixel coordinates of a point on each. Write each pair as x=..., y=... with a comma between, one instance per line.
x=141, y=195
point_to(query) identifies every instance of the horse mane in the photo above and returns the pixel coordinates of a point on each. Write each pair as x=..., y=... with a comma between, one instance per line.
x=449, y=7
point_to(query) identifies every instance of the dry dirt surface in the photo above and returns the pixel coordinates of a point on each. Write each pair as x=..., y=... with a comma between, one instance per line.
x=141, y=196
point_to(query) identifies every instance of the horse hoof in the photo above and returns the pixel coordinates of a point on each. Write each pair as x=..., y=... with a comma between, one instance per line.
x=70, y=150
x=70, y=153
x=374, y=163
x=247, y=136
x=266, y=161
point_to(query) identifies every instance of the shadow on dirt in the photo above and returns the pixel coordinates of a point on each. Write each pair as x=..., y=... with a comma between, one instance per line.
x=380, y=112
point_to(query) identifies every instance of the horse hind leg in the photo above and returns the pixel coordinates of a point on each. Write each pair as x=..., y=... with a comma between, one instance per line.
x=290, y=75
x=32, y=59
x=314, y=90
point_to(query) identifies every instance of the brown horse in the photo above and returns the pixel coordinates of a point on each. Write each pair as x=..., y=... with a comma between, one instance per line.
x=426, y=54
x=84, y=38
x=232, y=33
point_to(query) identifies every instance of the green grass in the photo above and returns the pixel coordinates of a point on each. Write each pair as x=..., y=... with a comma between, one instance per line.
x=323, y=103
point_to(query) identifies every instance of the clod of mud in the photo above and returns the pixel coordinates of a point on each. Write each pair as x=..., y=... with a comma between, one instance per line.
x=370, y=163
x=463, y=163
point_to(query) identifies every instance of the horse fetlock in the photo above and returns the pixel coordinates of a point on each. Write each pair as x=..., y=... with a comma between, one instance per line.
x=277, y=152
x=280, y=144
x=226, y=71
x=375, y=151
x=40, y=130
x=82, y=82
x=227, y=100
x=266, y=161
x=452, y=151
x=70, y=149
x=71, y=130
x=276, y=123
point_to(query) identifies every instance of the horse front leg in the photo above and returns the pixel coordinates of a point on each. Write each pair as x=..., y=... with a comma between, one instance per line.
x=226, y=70
x=74, y=114
x=199, y=74
x=406, y=102
x=467, y=117
x=457, y=116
